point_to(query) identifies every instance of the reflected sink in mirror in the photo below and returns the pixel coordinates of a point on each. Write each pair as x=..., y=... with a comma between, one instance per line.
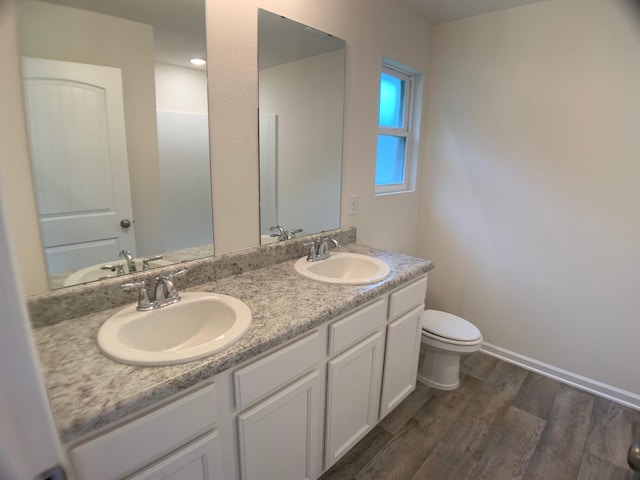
x=96, y=272
x=200, y=325
x=344, y=269
x=267, y=239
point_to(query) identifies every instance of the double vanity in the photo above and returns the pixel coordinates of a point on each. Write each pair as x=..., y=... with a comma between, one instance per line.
x=320, y=364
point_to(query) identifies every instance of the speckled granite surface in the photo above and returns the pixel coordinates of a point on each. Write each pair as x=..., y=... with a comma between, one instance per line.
x=88, y=391
x=79, y=300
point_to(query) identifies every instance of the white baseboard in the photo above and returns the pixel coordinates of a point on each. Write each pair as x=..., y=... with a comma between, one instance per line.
x=609, y=392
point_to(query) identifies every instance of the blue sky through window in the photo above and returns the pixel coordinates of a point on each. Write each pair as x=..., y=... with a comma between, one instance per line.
x=390, y=160
x=391, y=101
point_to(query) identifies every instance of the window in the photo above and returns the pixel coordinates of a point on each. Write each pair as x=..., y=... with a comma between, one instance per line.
x=395, y=162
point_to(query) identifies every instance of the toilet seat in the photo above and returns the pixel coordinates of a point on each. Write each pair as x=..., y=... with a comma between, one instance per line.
x=449, y=328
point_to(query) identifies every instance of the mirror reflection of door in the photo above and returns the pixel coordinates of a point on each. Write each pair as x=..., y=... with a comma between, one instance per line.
x=78, y=149
x=165, y=123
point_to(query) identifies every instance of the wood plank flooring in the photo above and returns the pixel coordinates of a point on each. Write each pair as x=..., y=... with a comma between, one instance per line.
x=503, y=422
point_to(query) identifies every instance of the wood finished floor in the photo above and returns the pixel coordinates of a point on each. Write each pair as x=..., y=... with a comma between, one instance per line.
x=503, y=422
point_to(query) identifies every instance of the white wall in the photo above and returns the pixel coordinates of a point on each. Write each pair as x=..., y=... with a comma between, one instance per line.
x=180, y=89
x=183, y=147
x=530, y=200
x=307, y=96
x=372, y=29
x=28, y=439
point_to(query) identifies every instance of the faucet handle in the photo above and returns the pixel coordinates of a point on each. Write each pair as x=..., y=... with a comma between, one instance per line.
x=179, y=273
x=128, y=287
x=115, y=267
x=146, y=260
x=311, y=245
x=171, y=276
x=144, y=303
x=293, y=233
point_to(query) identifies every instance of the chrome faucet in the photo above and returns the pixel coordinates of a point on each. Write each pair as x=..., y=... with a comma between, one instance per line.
x=283, y=234
x=131, y=262
x=323, y=247
x=165, y=291
x=319, y=251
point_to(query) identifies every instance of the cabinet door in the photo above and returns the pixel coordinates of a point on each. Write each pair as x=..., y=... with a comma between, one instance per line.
x=353, y=396
x=138, y=443
x=200, y=460
x=280, y=437
x=401, y=360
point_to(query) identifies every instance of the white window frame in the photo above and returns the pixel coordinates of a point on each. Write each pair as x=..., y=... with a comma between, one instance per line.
x=406, y=132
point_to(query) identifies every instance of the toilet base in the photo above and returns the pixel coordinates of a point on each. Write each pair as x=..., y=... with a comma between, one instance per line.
x=440, y=370
x=439, y=386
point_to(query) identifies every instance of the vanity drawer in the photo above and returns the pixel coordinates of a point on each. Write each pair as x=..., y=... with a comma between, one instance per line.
x=406, y=298
x=356, y=326
x=136, y=444
x=276, y=370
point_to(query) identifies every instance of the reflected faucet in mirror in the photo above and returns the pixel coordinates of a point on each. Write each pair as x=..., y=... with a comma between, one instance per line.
x=131, y=263
x=281, y=234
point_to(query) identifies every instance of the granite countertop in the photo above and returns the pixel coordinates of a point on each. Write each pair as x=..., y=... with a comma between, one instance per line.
x=88, y=391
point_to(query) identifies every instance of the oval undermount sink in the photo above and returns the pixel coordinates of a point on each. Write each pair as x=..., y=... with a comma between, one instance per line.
x=199, y=325
x=344, y=268
x=95, y=272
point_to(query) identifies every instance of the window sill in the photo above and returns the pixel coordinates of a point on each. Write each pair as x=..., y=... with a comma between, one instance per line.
x=395, y=192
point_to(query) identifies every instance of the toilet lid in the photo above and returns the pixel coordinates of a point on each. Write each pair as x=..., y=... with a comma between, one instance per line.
x=449, y=326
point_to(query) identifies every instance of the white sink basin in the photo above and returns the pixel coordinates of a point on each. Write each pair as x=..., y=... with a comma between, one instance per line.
x=344, y=268
x=94, y=272
x=197, y=326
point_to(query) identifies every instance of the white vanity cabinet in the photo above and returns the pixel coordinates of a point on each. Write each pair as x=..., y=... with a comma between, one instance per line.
x=403, y=344
x=199, y=460
x=373, y=376
x=176, y=441
x=280, y=437
x=288, y=414
x=354, y=378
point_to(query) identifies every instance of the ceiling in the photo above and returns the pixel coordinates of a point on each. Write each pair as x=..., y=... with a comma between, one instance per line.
x=440, y=11
x=281, y=40
x=178, y=26
x=179, y=29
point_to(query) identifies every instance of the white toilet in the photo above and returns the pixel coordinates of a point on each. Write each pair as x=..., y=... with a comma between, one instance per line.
x=446, y=338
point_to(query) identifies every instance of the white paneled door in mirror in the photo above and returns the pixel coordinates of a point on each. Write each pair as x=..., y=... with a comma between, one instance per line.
x=74, y=113
x=156, y=159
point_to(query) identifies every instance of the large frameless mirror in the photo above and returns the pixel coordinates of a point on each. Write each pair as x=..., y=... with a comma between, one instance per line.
x=301, y=92
x=118, y=133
